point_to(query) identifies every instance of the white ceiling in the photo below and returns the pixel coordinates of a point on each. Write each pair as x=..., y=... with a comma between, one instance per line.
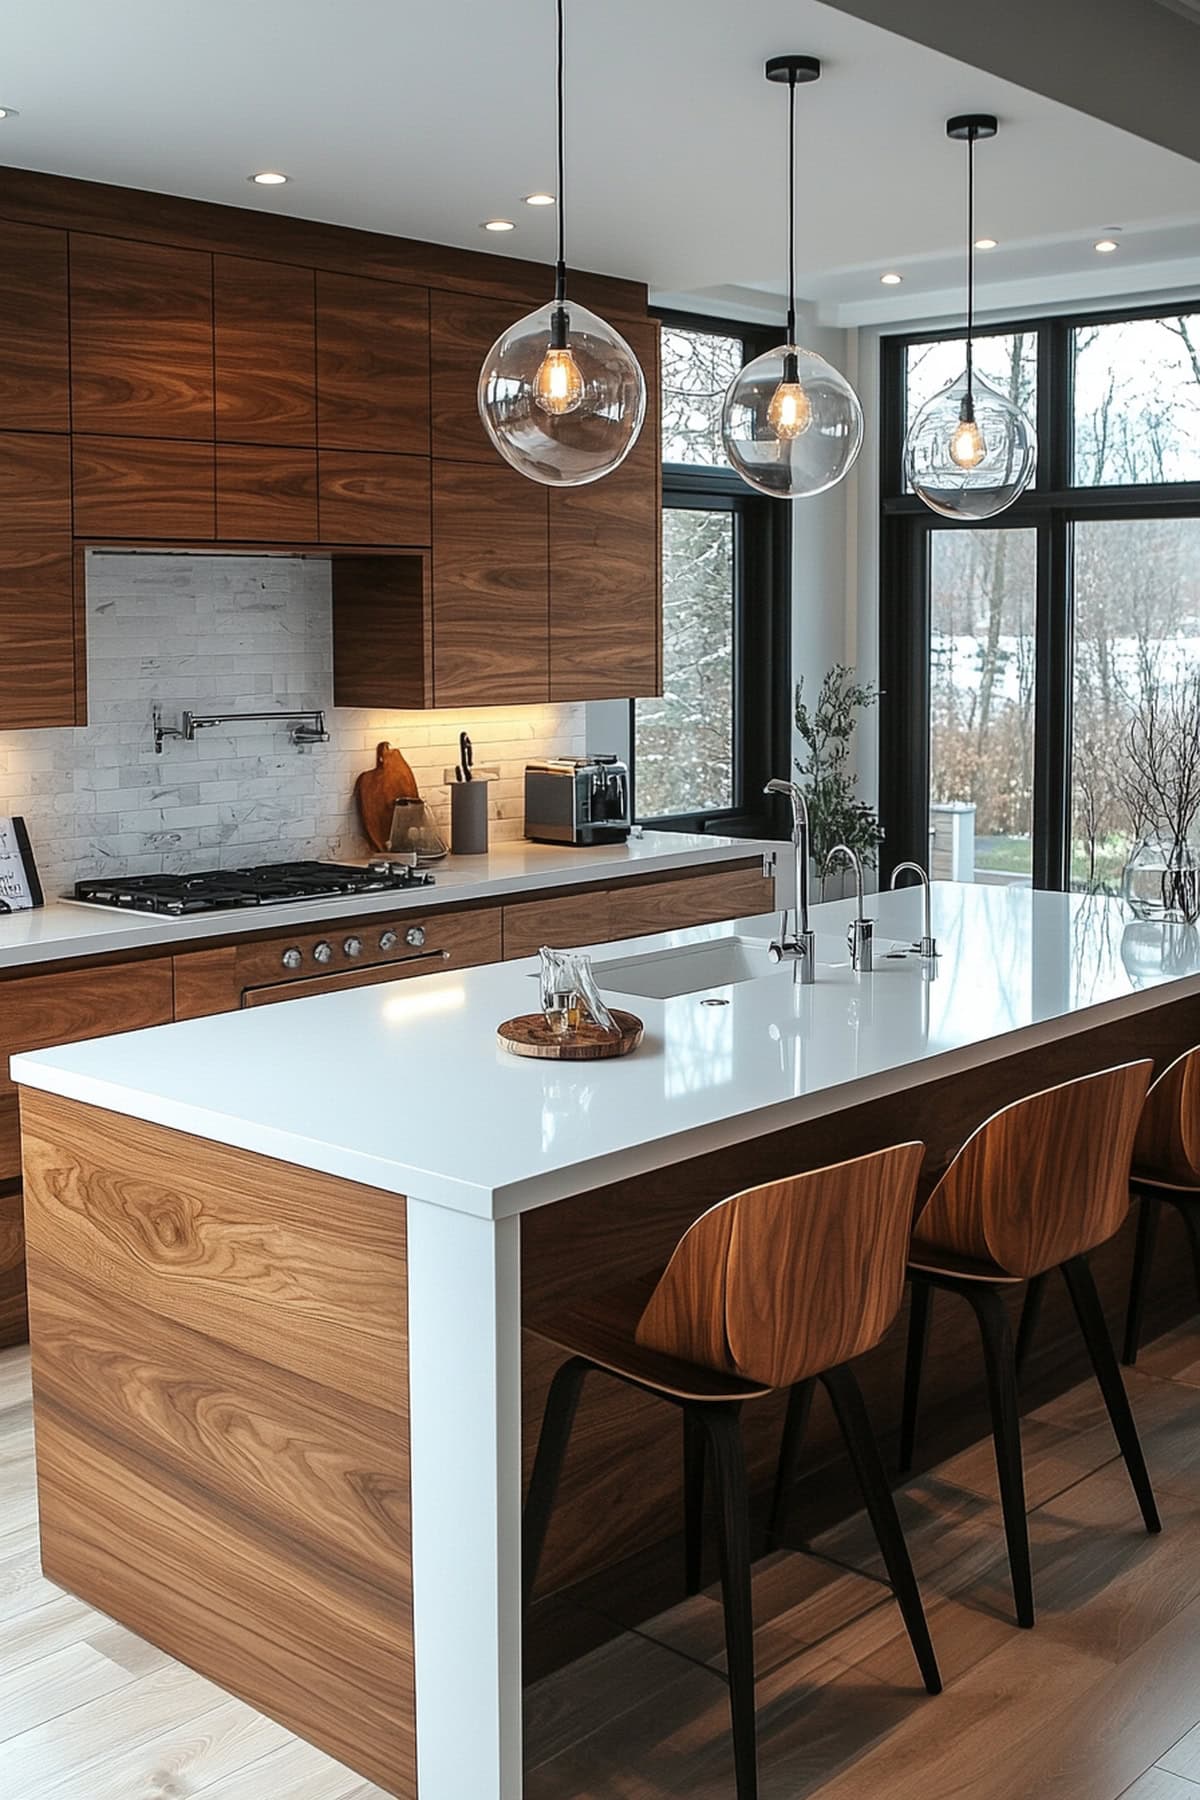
x=424, y=119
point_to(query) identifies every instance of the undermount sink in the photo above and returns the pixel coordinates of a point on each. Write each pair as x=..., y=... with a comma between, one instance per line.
x=690, y=969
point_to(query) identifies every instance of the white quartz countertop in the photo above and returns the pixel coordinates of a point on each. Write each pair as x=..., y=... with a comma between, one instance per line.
x=403, y=1086
x=64, y=929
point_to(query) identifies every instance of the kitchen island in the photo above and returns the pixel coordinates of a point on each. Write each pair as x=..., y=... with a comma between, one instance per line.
x=278, y=1264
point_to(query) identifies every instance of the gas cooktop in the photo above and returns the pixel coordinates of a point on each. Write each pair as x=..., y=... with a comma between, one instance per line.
x=271, y=884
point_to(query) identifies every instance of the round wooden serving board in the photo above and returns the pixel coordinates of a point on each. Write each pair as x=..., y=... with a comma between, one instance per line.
x=530, y=1035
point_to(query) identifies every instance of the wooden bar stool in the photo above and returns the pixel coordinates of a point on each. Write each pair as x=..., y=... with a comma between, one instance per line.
x=1041, y=1183
x=776, y=1287
x=1166, y=1167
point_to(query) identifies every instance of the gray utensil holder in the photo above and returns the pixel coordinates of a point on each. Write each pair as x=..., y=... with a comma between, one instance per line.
x=468, y=818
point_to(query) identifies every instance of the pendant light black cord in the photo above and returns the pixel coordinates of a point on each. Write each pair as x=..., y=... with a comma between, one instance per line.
x=971, y=267
x=791, y=318
x=560, y=272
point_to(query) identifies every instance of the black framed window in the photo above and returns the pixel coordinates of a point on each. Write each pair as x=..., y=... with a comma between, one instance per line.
x=703, y=749
x=1024, y=659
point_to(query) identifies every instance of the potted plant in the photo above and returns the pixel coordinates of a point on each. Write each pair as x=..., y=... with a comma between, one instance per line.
x=836, y=813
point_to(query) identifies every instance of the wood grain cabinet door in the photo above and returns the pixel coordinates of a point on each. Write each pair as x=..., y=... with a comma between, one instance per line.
x=462, y=329
x=127, y=487
x=606, y=565
x=490, y=621
x=141, y=339
x=37, y=615
x=372, y=365
x=266, y=492
x=34, y=384
x=264, y=320
x=367, y=497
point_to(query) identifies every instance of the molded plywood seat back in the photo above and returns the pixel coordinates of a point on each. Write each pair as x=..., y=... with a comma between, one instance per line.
x=1167, y=1147
x=1043, y=1180
x=787, y=1280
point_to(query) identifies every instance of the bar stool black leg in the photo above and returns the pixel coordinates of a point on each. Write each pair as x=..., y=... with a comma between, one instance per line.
x=846, y=1395
x=561, y=1403
x=1000, y=1363
x=920, y=1304
x=1086, y=1301
x=1031, y=1312
x=794, y=1430
x=723, y=1431
x=1149, y=1212
x=693, y=1501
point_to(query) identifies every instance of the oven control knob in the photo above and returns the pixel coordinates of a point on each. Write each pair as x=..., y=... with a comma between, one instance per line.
x=415, y=935
x=353, y=946
x=293, y=959
x=388, y=940
x=323, y=952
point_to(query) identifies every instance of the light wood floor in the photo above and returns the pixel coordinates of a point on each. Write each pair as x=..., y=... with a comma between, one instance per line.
x=1101, y=1700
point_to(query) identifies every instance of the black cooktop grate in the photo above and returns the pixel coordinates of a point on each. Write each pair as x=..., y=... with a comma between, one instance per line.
x=273, y=884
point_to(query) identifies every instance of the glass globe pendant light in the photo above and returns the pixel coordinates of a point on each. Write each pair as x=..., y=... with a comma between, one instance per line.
x=970, y=452
x=561, y=394
x=791, y=424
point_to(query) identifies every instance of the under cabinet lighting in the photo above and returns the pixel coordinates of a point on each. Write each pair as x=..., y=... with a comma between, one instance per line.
x=986, y=244
x=268, y=178
x=1106, y=246
x=539, y=199
x=498, y=225
x=892, y=280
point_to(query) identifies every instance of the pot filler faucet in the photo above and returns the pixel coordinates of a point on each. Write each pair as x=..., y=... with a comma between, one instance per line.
x=800, y=947
x=928, y=946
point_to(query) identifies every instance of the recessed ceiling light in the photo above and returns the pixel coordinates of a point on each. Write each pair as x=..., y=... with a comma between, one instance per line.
x=498, y=225
x=1106, y=246
x=986, y=244
x=539, y=199
x=268, y=178
x=9, y=112
x=891, y=280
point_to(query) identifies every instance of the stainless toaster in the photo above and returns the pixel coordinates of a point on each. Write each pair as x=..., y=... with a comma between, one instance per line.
x=577, y=800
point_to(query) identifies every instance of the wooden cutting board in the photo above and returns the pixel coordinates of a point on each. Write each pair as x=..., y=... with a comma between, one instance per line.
x=377, y=790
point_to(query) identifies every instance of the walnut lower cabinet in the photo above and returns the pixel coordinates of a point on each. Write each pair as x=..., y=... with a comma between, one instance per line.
x=635, y=909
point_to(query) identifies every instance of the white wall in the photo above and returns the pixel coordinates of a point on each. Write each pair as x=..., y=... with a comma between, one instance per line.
x=245, y=634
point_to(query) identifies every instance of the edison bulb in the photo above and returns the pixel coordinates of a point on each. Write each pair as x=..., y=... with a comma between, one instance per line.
x=789, y=412
x=967, y=447
x=558, y=385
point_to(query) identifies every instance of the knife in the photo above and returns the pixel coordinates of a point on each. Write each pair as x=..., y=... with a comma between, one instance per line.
x=466, y=755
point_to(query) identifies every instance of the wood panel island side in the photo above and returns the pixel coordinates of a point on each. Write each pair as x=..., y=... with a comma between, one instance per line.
x=279, y=1260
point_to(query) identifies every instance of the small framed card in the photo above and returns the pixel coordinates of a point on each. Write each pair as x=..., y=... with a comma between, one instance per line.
x=20, y=888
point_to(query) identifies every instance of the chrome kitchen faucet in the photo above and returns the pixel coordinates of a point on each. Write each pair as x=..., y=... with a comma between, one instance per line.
x=800, y=947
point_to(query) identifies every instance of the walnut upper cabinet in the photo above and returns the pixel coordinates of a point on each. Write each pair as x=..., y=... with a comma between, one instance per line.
x=606, y=562
x=141, y=339
x=37, y=614
x=462, y=329
x=34, y=369
x=491, y=641
x=265, y=346
x=372, y=365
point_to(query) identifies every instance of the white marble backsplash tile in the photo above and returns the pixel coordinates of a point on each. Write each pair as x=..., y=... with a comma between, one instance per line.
x=247, y=634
